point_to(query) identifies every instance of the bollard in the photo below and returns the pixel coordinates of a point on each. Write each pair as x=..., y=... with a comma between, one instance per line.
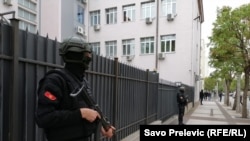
x=211, y=112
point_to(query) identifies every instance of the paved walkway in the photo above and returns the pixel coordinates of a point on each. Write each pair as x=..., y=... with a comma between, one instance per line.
x=214, y=112
x=210, y=113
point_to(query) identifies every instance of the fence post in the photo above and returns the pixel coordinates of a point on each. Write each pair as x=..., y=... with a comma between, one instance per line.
x=115, y=94
x=15, y=116
x=147, y=95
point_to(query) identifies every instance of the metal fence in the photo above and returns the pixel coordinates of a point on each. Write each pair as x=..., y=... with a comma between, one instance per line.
x=128, y=96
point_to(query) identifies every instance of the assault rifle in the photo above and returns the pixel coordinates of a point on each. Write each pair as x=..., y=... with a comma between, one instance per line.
x=83, y=94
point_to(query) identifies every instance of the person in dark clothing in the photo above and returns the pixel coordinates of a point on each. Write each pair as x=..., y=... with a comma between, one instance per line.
x=220, y=95
x=205, y=95
x=182, y=102
x=62, y=116
x=201, y=96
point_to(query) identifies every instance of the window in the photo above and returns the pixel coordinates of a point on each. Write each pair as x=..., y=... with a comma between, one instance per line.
x=28, y=4
x=80, y=14
x=110, y=48
x=147, y=45
x=96, y=48
x=168, y=7
x=95, y=18
x=168, y=43
x=148, y=10
x=26, y=15
x=111, y=15
x=24, y=25
x=128, y=47
x=28, y=20
x=129, y=13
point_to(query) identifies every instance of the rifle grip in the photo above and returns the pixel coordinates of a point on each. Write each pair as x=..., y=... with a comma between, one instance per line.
x=106, y=125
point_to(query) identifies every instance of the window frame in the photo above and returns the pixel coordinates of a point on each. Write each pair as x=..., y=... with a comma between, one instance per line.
x=95, y=17
x=128, y=47
x=148, y=10
x=80, y=14
x=111, y=48
x=96, y=47
x=168, y=7
x=128, y=13
x=111, y=15
x=168, y=43
x=147, y=43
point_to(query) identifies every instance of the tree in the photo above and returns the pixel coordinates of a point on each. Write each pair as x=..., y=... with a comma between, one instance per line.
x=209, y=83
x=231, y=39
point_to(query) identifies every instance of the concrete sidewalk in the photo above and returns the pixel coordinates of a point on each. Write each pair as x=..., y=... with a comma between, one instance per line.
x=210, y=113
x=215, y=112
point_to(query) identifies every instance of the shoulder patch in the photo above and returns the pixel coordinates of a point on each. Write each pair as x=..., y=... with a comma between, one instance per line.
x=49, y=95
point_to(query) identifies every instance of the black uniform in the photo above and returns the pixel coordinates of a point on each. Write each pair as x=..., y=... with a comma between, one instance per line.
x=182, y=102
x=58, y=113
x=61, y=107
x=201, y=96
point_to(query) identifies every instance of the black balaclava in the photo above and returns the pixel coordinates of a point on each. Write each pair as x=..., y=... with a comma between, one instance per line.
x=77, y=68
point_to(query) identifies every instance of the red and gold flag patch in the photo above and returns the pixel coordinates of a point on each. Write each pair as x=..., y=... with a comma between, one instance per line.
x=49, y=95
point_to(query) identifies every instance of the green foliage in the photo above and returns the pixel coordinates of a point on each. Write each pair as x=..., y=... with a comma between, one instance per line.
x=230, y=46
x=209, y=83
x=212, y=83
x=233, y=86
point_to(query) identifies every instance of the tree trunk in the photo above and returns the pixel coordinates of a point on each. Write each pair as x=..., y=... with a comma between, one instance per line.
x=234, y=106
x=237, y=95
x=244, y=98
x=227, y=91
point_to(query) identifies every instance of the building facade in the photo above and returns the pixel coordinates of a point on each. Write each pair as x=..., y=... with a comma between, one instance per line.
x=27, y=11
x=159, y=35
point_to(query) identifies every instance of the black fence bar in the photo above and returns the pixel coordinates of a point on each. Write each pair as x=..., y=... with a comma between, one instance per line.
x=115, y=109
x=15, y=103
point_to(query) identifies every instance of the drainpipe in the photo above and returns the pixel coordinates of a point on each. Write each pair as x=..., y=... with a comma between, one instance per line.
x=157, y=33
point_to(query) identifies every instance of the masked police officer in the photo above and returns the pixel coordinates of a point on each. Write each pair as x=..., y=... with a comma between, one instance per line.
x=182, y=102
x=63, y=117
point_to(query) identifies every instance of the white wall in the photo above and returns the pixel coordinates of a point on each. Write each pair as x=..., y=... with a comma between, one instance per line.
x=50, y=19
x=181, y=65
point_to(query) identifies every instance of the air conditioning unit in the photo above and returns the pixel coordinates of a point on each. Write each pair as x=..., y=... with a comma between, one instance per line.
x=130, y=57
x=7, y=2
x=170, y=17
x=149, y=20
x=97, y=27
x=162, y=56
x=79, y=30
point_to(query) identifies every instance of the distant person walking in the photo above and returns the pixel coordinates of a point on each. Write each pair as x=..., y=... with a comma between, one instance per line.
x=205, y=95
x=220, y=95
x=201, y=96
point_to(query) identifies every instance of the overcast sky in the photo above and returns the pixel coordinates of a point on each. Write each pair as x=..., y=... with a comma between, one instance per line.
x=210, y=7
